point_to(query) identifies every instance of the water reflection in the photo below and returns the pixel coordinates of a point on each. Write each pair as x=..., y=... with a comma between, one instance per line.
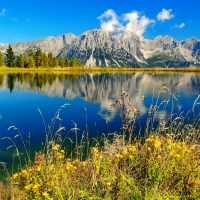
x=104, y=88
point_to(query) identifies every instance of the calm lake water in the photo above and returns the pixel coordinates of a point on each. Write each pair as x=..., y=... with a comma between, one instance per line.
x=22, y=94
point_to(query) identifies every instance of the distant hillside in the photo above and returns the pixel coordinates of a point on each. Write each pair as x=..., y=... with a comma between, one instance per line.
x=99, y=48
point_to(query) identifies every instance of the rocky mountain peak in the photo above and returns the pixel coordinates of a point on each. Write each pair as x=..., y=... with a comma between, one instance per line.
x=99, y=48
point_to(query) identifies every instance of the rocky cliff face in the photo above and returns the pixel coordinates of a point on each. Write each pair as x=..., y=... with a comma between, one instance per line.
x=99, y=48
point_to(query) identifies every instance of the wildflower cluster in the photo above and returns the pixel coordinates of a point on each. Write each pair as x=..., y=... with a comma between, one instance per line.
x=160, y=167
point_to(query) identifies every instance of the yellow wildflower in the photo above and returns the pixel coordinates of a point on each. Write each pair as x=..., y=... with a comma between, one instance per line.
x=28, y=187
x=38, y=168
x=178, y=146
x=172, y=153
x=15, y=175
x=24, y=172
x=149, y=149
x=177, y=155
x=95, y=150
x=84, y=163
x=125, y=152
x=51, y=167
x=131, y=157
x=56, y=147
x=119, y=155
x=159, y=157
x=149, y=139
x=75, y=161
x=36, y=186
x=60, y=156
x=109, y=183
x=132, y=148
x=45, y=194
x=69, y=166
x=169, y=141
x=157, y=143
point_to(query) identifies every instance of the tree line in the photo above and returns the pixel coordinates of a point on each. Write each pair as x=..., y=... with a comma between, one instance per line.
x=36, y=59
x=37, y=80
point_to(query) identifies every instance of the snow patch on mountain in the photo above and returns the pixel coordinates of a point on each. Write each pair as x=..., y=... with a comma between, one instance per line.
x=91, y=61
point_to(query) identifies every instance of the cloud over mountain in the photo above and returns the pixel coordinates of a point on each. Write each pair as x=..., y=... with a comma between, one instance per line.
x=129, y=24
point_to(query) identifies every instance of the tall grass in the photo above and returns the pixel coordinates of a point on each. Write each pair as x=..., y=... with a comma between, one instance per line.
x=163, y=163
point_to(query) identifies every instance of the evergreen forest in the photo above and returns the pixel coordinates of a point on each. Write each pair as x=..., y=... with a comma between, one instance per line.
x=36, y=59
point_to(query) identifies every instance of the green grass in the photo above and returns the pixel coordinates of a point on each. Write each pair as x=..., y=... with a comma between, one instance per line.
x=98, y=69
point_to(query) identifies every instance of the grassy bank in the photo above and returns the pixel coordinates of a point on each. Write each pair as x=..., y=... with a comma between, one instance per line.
x=97, y=69
x=161, y=168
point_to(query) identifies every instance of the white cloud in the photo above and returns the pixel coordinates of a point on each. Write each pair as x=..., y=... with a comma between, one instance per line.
x=136, y=24
x=3, y=12
x=165, y=15
x=130, y=23
x=181, y=25
x=109, y=21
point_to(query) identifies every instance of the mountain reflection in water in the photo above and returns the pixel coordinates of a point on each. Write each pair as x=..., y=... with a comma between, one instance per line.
x=103, y=89
x=21, y=94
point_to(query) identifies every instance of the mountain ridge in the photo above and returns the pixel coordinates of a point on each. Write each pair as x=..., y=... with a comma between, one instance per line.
x=98, y=48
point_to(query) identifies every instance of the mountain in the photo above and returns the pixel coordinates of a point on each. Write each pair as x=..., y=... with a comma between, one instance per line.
x=99, y=48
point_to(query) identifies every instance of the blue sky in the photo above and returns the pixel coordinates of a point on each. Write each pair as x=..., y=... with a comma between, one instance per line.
x=22, y=20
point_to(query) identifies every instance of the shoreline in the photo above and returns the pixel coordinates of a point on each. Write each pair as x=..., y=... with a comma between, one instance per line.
x=98, y=70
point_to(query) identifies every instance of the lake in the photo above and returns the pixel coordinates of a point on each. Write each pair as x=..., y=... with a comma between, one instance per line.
x=88, y=98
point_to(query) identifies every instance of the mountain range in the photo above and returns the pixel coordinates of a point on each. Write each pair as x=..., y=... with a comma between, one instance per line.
x=99, y=48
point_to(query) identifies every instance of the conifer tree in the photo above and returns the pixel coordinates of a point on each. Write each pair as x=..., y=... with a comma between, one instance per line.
x=45, y=60
x=31, y=53
x=61, y=61
x=38, y=58
x=55, y=62
x=20, y=61
x=72, y=62
x=52, y=60
x=66, y=61
x=31, y=63
x=10, y=57
x=26, y=60
x=1, y=60
x=79, y=63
